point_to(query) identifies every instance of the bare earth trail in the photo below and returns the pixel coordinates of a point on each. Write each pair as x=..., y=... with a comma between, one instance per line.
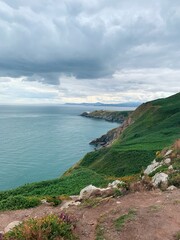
x=157, y=217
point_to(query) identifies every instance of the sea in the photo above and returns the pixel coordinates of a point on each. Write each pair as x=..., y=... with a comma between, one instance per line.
x=41, y=142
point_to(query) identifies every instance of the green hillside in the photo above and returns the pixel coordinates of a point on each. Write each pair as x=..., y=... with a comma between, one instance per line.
x=155, y=125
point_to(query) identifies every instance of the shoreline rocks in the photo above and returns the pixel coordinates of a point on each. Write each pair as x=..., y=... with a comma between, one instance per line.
x=111, y=116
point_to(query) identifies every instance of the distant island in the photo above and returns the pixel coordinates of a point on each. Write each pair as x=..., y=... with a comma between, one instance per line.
x=126, y=104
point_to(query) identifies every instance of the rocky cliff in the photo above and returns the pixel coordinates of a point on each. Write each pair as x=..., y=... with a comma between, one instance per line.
x=112, y=116
x=111, y=135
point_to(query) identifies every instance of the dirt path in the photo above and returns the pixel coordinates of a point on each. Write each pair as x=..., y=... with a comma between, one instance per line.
x=156, y=216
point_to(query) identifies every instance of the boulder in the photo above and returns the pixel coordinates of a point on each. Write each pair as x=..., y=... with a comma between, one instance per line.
x=171, y=188
x=92, y=191
x=116, y=184
x=168, y=152
x=152, y=167
x=170, y=167
x=160, y=179
x=11, y=225
x=107, y=192
x=89, y=191
x=167, y=161
x=67, y=204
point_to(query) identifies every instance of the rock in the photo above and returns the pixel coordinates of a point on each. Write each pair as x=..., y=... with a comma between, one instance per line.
x=152, y=167
x=45, y=202
x=85, y=114
x=171, y=188
x=116, y=184
x=92, y=191
x=106, y=192
x=89, y=191
x=170, y=167
x=70, y=203
x=160, y=179
x=11, y=225
x=168, y=152
x=75, y=197
x=167, y=161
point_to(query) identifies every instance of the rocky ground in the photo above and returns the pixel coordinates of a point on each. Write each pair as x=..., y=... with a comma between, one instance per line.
x=148, y=215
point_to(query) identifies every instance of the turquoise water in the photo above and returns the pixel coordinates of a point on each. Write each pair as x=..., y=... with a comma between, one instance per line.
x=40, y=143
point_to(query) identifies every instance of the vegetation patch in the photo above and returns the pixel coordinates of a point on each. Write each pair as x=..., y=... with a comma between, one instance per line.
x=48, y=227
x=174, y=179
x=91, y=202
x=155, y=208
x=163, y=168
x=70, y=185
x=177, y=236
x=99, y=232
x=122, y=220
x=19, y=202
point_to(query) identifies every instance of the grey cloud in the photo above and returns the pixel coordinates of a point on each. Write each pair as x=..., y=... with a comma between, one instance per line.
x=43, y=39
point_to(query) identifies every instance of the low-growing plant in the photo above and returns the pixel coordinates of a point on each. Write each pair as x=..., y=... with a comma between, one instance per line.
x=117, y=193
x=163, y=168
x=154, y=208
x=177, y=236
x=159, y=158
x=99, y=233
x=91, y=202
x=55, y=200
x=47, y=228
x=176, y=164
x=174, y=179
x=19, y=202
x=120, y=222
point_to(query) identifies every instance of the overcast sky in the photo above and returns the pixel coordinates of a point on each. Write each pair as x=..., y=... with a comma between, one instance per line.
x=110, y=51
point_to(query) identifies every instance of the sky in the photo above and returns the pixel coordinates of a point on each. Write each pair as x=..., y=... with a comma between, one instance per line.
x=53, y=52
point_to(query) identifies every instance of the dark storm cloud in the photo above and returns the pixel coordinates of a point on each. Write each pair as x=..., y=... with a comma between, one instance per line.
x=88, y=39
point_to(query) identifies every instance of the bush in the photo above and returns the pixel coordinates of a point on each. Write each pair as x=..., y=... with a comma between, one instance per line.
x=174, y=179
x=19, y=202
x=55, y=200
x=46, y=228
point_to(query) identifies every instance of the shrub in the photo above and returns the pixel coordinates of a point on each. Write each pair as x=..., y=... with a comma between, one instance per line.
x=117, y=193
x=162, y=168
x=174, y=179
x=55, y=200
x=47, y=228
x=19, y=202
x=177, y=236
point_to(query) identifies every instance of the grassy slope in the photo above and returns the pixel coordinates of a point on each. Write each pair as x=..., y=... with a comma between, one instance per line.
x=70, y=185
x=156, y=125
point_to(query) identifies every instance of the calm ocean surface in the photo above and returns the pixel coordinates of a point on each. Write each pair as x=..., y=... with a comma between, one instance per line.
x=40, y=143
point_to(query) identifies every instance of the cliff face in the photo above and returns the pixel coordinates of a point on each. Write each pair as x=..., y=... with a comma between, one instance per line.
x=112, y=116
x=111, y=135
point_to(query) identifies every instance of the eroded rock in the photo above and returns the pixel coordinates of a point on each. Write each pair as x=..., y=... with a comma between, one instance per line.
x=160, y=179
x=152, y=167
x=116, y=184
x=171, y=188
x=11, y=225
x=167, y=161
x=89, y=191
